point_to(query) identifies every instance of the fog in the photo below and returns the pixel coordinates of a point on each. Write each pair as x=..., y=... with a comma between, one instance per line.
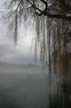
x=23, y=84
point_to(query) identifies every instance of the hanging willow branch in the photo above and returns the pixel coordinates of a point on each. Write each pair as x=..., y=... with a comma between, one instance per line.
x=16, y=28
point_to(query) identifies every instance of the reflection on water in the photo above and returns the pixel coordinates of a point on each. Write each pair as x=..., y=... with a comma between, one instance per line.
x=30, y=88
x=26, y=88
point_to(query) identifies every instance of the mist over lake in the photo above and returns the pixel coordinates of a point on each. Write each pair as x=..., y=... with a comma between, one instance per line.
x=23, y=86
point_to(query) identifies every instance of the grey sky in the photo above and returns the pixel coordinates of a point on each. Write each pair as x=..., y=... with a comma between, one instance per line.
x=21, y=53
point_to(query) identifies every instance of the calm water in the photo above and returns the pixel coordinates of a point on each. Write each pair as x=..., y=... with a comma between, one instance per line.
x=23, y=87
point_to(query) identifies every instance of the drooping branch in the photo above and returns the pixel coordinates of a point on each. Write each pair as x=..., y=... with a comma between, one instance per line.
x=44, y=11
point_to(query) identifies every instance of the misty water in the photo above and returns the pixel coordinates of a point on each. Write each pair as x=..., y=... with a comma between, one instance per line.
x=23, y=86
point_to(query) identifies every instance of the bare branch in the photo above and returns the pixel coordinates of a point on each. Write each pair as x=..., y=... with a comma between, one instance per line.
x=18, y=5
x=45, y=4
x=33, y=5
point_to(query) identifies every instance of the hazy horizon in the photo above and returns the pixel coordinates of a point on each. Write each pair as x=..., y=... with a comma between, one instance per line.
x=21, y=53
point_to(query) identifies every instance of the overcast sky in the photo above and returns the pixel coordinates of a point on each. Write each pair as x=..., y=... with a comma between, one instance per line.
x=23, y=52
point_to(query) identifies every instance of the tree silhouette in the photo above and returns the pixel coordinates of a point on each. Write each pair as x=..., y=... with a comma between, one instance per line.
x=52, y=22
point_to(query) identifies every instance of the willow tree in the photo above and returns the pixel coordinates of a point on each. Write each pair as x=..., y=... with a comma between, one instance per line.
x=52, y=23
